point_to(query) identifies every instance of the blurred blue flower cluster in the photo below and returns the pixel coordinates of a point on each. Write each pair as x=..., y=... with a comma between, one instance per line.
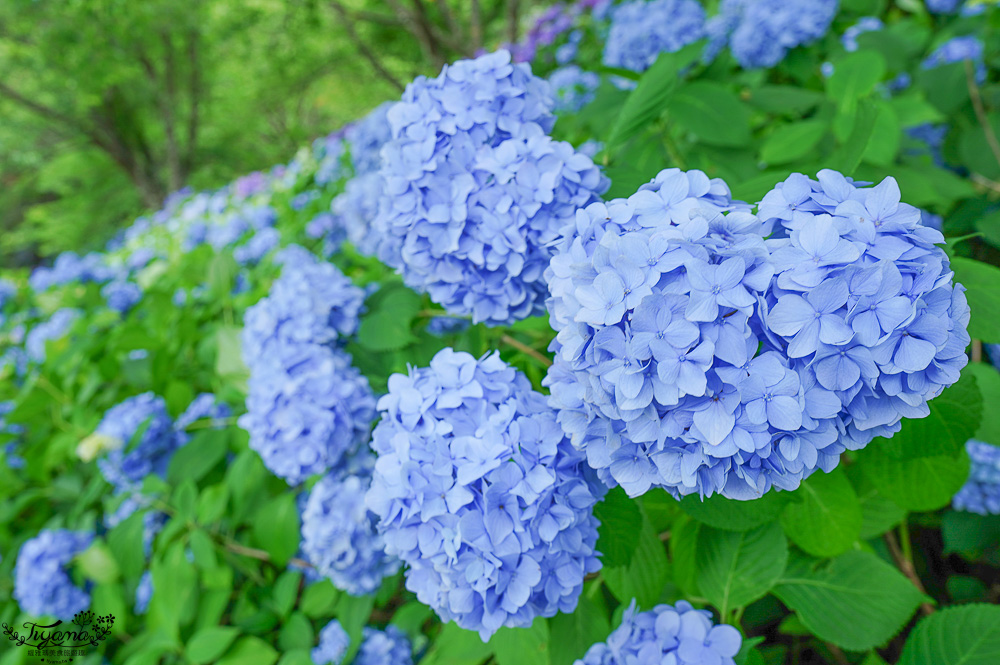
x=71, y=267
x=760, y=32
x=865, y=24
x=355, y=209
x=54, y=328
x=476, y=190
x=693, y=354
x=338, y=531
x=307, y=405
x=140, y=439
x=959, y=49
x=388, y=647
x=643, y=29
x=479, y=493
x=981, y=493
x=573, y=88
x=42, y=586
x=678, y=635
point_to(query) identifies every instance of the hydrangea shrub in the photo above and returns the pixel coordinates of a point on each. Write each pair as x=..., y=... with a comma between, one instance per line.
x=660, y=335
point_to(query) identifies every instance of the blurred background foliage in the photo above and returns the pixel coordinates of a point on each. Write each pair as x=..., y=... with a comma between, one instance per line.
x=109, y=105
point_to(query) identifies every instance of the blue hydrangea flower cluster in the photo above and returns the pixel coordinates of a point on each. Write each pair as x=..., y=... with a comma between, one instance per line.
x=942, y=6
x=121, y=295
x=55, y=328
x=643, y=29
x=930, y=139
x=8, y=290
x=865, y=24
x=70, y=267
x=42, y=587
x=143, y=439
x=760, y=32
x=388, y=647
x=479, y=493
x=446, y=325
x=204, y=406
x=356, y=208
x=475, y=189
x=679, y=635
x=307, y=405
x=143, y=593
x=573, y=88
x=693, y=354
x=257, y=247
x=333, y=645
x=959, y=49
x=981, y=493
x=338, y=531
x=548, y=26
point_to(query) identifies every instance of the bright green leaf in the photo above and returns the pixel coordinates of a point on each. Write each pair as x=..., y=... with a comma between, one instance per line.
x=980, y=280
x=790, y=142
x=967, y=635
x=276, y=528
x=620, y=520
x=522, y=646
x=735, y=568
x=711, y=112
x=826, y=520
x=208, y=644
x=250, y=650
x=856, y=601
x=722, y=513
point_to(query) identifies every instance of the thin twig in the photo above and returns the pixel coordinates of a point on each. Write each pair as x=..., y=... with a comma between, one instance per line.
x=363, y=48
x=985, y=182
x=838, y=654
x=906, y=567
x=977, y=104
x=260, y=555
x=977, y=351
x=525, y=349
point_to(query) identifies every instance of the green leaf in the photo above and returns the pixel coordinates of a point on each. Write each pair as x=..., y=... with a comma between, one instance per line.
x=456, y=646
x=620, y=519
x=319, y=599
x=826, y=520
x=854, y=76
x=885, y=138
x=684, y=554
x=732, y=515
x=967, y=635
x=878, y=514
x=848, y=156
x=790, y=142
x=856, y=601
x=784, y=99
x=250, y=650
x=522, y=646
x=384, y=331
x=195, y=459
x=917, y=484
x=570, y=635
x=735, y=568
x=98, y=563
x=648, y=101
x=297, y=657
x=980, y=280
x=711, y=112
x=970, y=534
x=229, y=352
x=286, y=592
x=276, y=528
x=296, y=633
x=208, y=644
x=125, y=543
x=649, y=570
x=954, y=417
